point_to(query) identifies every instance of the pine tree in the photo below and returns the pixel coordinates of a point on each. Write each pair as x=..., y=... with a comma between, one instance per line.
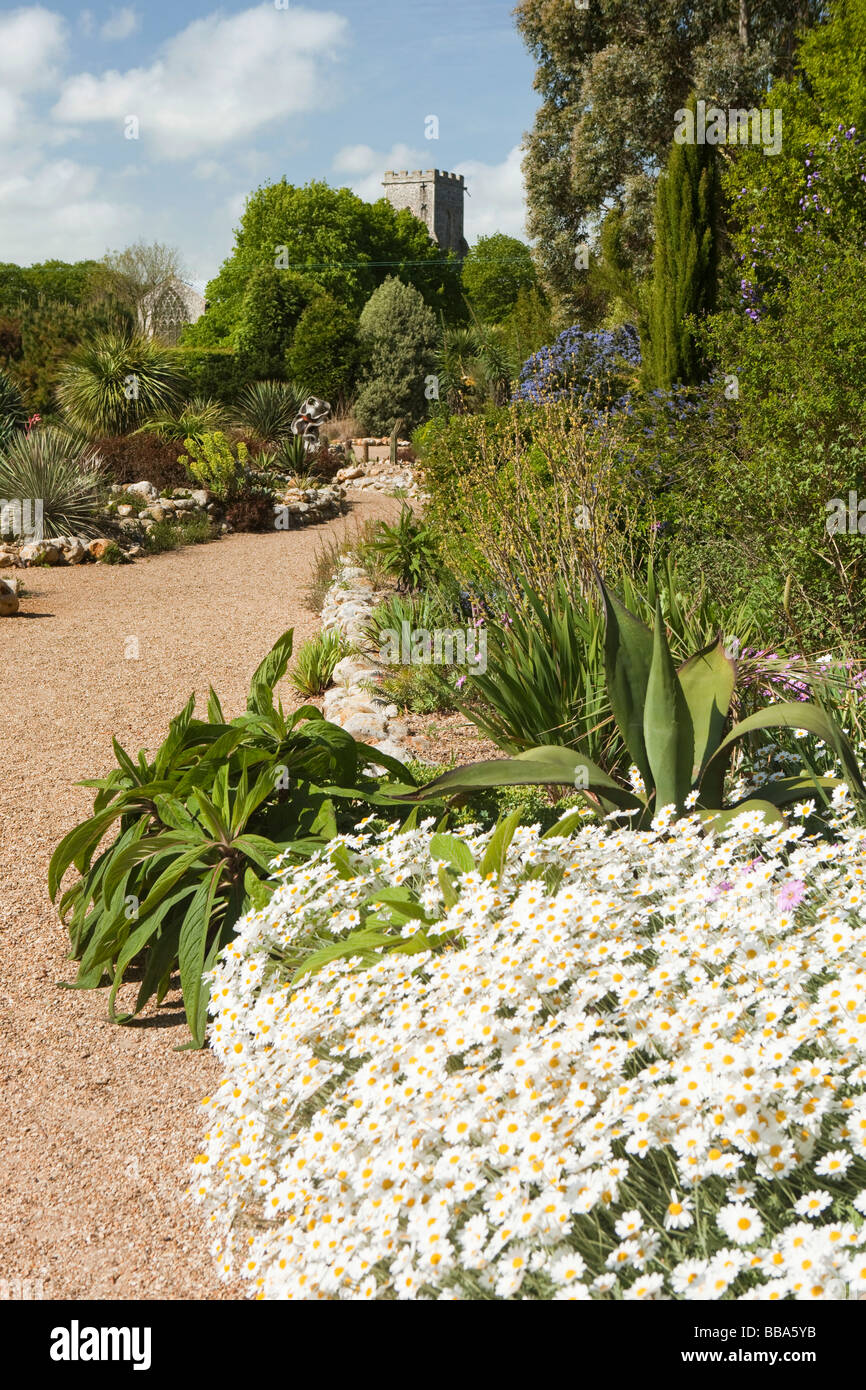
x=685, y=264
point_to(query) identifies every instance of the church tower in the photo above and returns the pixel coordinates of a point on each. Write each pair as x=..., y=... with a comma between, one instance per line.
x=435, y=198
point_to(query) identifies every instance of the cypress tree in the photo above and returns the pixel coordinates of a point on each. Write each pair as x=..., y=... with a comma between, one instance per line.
x=685, y=263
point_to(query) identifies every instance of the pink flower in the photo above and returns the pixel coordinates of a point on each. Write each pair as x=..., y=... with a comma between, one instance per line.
x=790, y=894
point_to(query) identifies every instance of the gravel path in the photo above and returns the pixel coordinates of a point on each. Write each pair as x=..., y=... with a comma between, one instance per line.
x=99, y=1122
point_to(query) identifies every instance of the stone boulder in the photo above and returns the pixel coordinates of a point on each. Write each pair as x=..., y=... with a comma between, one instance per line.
x=96, y=549
x=8, y=600
x=145, y=488
x=72, y=550
x=8, y=557
x=40, y=553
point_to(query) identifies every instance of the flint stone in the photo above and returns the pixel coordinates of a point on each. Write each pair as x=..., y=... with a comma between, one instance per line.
x=40, y=552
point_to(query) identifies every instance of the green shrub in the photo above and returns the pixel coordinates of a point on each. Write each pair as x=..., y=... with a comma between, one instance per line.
x=274, y=301
x=195, y=829
x=325, y=350
x=405, y=551
x=398, y=335
x=51, y=466
x=212, y=373
x=316, y=659
x=112, y=555
x=212, y=465
x=111, y=384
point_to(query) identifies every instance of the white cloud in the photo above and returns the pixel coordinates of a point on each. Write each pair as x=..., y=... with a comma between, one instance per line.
x=58, y=199
x=86, y=22
x=120, y=24
x=220, y=79
x=32, y=40
x=496, y=201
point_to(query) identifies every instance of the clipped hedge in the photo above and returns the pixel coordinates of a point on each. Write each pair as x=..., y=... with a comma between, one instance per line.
x=216, y=373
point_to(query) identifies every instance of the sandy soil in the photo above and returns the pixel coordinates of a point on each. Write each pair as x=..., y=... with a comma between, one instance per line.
x=98, y=1123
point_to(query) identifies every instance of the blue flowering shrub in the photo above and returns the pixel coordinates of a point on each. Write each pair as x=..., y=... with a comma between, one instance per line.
x=591, y=368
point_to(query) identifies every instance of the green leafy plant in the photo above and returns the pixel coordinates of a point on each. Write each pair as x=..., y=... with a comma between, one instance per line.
x=51, y=466
x=113, y=382
x=168, y=535
x=405, y=551
x=196, y=418
x=267, y=408
x=211, y=463
x=194, y=831
x=674, y=724
x=316, y=659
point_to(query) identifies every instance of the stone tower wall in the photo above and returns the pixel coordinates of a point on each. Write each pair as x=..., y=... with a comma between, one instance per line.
x=435, y=198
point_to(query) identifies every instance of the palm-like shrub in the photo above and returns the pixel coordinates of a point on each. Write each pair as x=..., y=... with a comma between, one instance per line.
x=13, y=415
x=267, y=408
x=194, y=419
x=114, y=383
x=53, y=467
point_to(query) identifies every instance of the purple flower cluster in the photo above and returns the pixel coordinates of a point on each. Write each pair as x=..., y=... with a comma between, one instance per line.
x=590, y=367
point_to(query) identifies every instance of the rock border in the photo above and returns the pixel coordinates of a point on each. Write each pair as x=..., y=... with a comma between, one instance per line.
x=369, y=717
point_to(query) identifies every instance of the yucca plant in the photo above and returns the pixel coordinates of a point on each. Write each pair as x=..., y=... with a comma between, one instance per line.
x=195, y=831
x=111, y=384
x=13, y=414
x=194, y=419
x=674, y=723
x=314, y=667
x=54, y=468
x=267, y=408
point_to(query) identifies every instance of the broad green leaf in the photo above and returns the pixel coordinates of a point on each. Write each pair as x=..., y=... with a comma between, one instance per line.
x=549, y=765
x=717, y=820
x=707, y=681
x=192, y=948
x=806, y=715
x=450, y=895
x=453, y=851
x=668, y=733
x=268, y=673
x=628, y=653
x=497, y=846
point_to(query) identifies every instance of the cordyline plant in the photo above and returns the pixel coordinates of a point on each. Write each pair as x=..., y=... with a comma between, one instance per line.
x=195, y=830
x=674, y=723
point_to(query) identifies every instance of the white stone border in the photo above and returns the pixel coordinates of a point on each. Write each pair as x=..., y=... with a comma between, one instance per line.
x=370, y=718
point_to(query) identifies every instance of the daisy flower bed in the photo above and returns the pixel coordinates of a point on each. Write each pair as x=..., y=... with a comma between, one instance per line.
x=622, y=1065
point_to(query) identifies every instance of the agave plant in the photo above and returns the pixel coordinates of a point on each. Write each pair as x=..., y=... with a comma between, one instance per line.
x=267, y=409
x=195, y=418
x=55, y=469
x=195, y=831
x=674, y=723
x=114, y=382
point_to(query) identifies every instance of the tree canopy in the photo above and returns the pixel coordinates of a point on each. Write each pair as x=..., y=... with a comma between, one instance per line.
x=496, y=269
x=331, y=236
x=611, y=78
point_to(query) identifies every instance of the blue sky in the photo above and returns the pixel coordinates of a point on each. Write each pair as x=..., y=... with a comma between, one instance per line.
x=122, y=122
